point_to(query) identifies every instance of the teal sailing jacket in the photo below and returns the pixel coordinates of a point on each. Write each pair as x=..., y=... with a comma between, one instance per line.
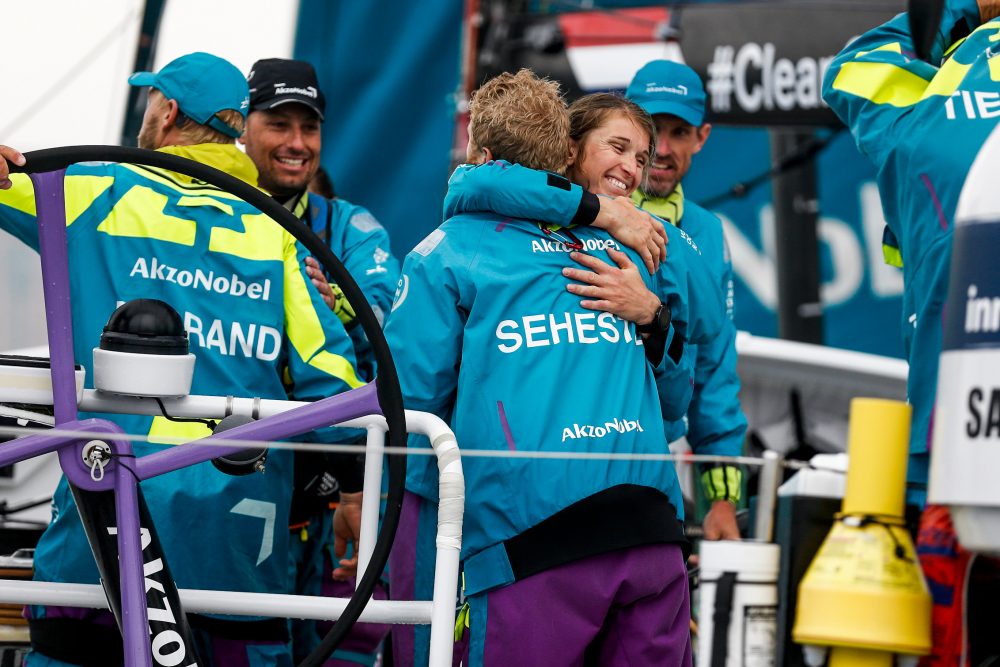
x=922, y=126
x=256, y=326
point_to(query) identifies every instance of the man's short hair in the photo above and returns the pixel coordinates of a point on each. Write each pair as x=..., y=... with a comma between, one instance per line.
x=192, y=132
x=522, y=119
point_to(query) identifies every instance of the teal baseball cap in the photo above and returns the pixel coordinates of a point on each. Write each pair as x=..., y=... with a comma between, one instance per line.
x=665, y=86
x=203, y=85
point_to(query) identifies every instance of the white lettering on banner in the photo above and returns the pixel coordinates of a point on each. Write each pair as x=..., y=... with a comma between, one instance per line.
x=600, y=430
x=569, y=328
x=756, y=267
x=232, y=284
x=250, y=340
x=982, y=313
x=760, y=81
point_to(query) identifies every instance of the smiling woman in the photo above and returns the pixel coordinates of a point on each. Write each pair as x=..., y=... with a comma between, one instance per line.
x=612, y=140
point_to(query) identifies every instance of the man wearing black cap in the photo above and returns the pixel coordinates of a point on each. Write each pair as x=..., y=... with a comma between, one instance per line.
x=283, y=138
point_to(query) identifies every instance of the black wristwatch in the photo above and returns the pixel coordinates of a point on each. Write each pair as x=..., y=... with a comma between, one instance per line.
x=660, y=322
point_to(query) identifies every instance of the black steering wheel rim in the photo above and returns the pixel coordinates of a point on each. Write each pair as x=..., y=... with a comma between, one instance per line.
x=387, y=383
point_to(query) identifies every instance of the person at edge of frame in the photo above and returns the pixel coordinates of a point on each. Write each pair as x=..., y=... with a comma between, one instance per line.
x=140, y=226
x=909, y=118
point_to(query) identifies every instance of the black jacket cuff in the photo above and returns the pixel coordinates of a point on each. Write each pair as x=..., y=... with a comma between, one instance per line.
x=587, y=212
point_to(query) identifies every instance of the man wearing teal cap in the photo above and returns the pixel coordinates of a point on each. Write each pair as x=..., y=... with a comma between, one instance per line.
x=201, y=86
x=674, y=96
x=133, y=231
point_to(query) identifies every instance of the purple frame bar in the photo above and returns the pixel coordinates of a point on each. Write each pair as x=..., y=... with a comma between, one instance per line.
x=122, y=478
x=50, y=202
x=342, y=407
x=72, y=465
x=135, y=616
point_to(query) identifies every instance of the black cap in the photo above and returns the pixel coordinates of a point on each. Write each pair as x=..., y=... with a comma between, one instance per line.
x=277, y=81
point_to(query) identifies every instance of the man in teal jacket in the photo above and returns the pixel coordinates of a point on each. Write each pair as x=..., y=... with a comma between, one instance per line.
x=567, y=559
x=674, y=96
x=283, y=138
x=254, y=322
x=922, y=125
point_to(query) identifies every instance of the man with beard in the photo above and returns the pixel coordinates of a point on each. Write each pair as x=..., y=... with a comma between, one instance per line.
x=674, y=96
x=283, y=138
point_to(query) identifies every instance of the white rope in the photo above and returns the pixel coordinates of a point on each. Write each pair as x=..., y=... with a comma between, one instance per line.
x=396, y=451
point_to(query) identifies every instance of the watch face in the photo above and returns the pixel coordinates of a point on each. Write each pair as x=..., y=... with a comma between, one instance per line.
x=660, y=322
x=663, y=317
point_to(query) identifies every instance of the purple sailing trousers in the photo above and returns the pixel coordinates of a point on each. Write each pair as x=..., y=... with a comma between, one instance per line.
x=626, y=608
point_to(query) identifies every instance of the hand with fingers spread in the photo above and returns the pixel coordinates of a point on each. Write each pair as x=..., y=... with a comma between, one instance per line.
x=318, y=279
x=8, y=154
x=634, y=228
x=616, y=288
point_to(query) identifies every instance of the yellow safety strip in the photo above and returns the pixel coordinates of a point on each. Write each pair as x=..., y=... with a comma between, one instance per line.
x=305, y=332
x=951, y=49
x=20, y=196
x=205, y=201
x=881, y=83
x=342, y=308
x=132, y=217
x=894, y=47
x=165, y=432
x=81, y=192
x=886, y=83
x=462, y=622
x=262, y=239
x=947, y=80
x=168, y=179
x=892, y=256
x=301, y=206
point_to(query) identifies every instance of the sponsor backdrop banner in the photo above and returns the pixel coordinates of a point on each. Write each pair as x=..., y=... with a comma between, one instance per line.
x=389, y=71
x=763, y=63
x=862, y=296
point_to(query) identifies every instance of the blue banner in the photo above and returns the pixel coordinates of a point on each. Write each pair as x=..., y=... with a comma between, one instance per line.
x=862, y=296
x=389, y=70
